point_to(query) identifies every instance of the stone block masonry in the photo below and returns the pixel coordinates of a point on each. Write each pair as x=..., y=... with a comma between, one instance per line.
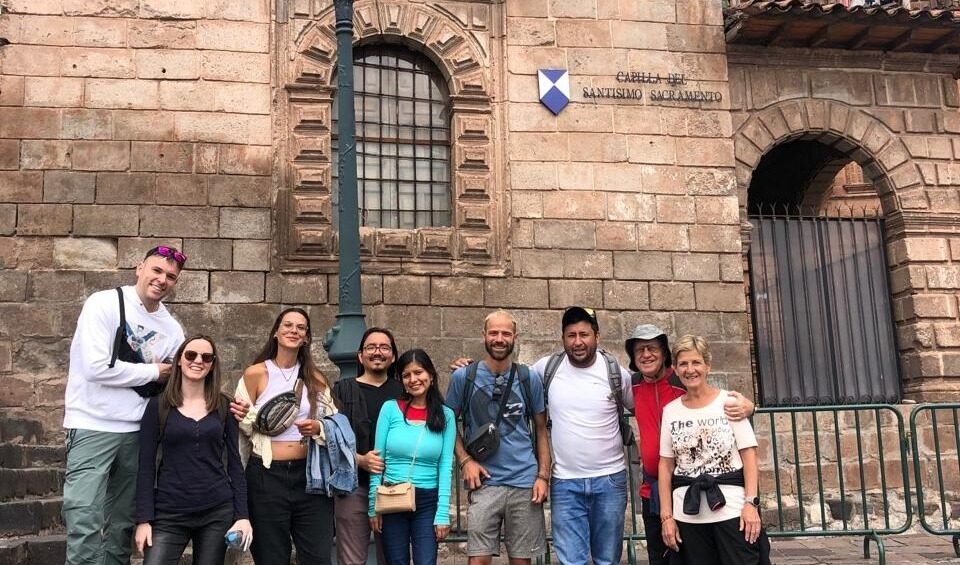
x=207, y=125
x=128, y=124
x=124, y=125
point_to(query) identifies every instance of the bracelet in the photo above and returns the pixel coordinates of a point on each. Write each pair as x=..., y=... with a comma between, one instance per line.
x=545, y=479
x=665, y=518
x=465, y=461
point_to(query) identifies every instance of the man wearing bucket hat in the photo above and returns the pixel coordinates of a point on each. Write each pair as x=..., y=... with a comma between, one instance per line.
x=655, y=386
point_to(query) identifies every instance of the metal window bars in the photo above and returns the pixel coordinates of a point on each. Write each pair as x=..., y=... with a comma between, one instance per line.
x=403, y=139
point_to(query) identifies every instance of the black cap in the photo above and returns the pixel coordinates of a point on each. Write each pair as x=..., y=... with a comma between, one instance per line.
x=575, y=314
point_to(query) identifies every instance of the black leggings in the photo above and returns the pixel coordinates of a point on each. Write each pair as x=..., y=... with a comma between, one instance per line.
x=172, y=531
x=652, y=528
x=718, y=543
x=280, y=509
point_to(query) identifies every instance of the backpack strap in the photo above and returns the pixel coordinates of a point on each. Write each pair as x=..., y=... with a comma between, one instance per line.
x=615, y=379
x=223, y=410
x=525, y=390
x=121, y=331
x=163, y=412
x=468, y=391
x=549, y=372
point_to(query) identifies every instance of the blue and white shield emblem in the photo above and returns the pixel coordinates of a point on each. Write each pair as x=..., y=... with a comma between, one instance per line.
x=554, y=89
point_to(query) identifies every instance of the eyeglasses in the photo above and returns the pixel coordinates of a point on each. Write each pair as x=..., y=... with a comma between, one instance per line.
x=169, y=253
x=192, y=356
x=375, y=347
x=498, y=385
x=647, y=349
x=291, y=325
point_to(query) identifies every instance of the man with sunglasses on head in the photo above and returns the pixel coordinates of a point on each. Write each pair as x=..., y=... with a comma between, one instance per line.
x=360, y=400
x=509, y=486
x=102, y=409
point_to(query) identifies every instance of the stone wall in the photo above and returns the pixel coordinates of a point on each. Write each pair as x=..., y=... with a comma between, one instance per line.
x=896, y=115
x=128, y=124
x=125, y=124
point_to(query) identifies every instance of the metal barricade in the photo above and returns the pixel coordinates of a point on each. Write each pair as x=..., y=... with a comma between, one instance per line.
x=834, y=471
x=633, y=527
x=935, y=439
x=824, y=471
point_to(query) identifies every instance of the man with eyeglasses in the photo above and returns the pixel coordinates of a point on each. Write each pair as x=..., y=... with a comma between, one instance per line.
x=508, y=488
x=360, y=400
x=102, y=409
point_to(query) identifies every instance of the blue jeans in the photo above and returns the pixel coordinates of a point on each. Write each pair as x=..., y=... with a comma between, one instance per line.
x=587, y=519
x=405, y=530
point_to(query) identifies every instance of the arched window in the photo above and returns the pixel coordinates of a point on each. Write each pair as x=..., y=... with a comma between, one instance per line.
x=403, y=139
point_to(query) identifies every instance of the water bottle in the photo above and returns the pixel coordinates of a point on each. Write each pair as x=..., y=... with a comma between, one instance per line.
x=234, y=540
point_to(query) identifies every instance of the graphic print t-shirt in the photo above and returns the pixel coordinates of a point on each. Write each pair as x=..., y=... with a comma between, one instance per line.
x=702, y=440
x=515, y=463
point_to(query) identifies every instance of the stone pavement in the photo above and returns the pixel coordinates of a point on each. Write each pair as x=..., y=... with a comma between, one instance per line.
x=906, y=549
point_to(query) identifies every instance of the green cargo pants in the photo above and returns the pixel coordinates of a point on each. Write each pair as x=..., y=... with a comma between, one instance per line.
x=98, y=496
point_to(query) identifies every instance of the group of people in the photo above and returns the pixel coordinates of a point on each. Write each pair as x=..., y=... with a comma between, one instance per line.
x=157, y=454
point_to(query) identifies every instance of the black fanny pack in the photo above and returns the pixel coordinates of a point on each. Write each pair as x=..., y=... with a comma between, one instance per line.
x=123, y=352
x=485, y=441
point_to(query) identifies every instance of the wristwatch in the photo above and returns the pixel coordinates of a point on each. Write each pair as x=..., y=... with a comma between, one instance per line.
x=755, y=501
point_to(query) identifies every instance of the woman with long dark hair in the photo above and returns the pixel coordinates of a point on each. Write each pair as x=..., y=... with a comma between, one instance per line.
x=415, y=436
x=280, y=508
x=190, y=484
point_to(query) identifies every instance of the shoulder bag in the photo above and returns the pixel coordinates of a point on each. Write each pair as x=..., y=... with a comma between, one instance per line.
x=279, y=413
x=485, y=441
x=400, y=497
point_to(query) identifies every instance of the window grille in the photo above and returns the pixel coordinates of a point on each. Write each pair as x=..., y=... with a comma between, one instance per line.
x=403, y=139
x=824, y=329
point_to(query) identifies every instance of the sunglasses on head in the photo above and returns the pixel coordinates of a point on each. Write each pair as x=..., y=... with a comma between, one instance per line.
x=192, y=356
x=169, y=253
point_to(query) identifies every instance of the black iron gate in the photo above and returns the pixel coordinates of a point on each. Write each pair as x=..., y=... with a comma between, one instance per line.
x=823, y=327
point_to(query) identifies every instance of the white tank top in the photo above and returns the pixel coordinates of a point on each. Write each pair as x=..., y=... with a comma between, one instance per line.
x=280, y=381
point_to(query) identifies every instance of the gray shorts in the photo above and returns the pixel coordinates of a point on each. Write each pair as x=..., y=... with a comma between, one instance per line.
x=522, y=520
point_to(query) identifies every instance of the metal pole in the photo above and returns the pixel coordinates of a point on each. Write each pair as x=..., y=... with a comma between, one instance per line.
x=343, y=340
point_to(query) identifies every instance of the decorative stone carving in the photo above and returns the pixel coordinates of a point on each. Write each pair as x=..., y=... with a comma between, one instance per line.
x=457, y=38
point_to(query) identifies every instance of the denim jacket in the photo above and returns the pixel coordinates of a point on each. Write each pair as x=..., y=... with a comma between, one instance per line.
x=332, y=468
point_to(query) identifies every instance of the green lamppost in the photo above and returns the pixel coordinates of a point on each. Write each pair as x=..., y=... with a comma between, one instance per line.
x=343, y=340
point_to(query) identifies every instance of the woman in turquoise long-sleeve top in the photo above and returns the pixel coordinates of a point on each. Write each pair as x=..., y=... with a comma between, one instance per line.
x=415, y=436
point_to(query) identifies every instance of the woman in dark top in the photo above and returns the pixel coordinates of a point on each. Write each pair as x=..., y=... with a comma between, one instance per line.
x=190, y=485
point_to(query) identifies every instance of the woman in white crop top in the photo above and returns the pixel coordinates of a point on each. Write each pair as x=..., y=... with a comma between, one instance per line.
x=280, y=508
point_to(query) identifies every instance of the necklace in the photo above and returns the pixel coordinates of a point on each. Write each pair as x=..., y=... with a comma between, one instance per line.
x=286, y=376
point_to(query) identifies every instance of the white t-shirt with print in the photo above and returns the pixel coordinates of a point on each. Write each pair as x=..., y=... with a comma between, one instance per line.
x=702, y=440
x=585, y=432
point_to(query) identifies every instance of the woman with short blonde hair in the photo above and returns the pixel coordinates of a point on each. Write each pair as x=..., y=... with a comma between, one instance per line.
x=708, y=476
